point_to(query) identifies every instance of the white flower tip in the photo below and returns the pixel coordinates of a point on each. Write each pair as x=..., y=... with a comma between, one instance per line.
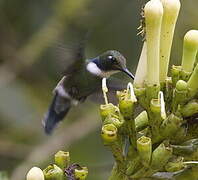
x=171, y=5
x=130, y=87
x=162, y=104
x=191, y=38
x=35, y=173
x=105, y=89
x=104, y=85
x=153, y=7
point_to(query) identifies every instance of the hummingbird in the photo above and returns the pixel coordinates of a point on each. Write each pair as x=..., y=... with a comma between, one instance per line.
x=81, y=79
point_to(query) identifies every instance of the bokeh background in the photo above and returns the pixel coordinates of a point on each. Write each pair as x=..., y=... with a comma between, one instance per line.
x=35, y=36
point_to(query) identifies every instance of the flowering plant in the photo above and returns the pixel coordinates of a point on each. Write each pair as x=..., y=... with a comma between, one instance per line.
x=161, y=141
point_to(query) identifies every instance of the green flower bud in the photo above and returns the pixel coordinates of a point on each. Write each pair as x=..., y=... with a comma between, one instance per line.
x=81, y=174
x=113, y=120
x=144, y=147
x=127, y=101
x=108, y=109
x=35, y=173
x=180, y=94
x=62, y=159
x=155, y=106
x=109, y=133
x=181, y=85
x=53, y=172
x=126, y=108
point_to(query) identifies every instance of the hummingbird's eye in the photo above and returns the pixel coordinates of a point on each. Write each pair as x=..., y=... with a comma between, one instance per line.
x=111, y=58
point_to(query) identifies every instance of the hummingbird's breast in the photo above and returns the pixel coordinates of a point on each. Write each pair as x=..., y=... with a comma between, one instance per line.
x=81, y=84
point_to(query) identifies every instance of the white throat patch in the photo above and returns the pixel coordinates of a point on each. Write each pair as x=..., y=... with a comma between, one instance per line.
x=94, y=69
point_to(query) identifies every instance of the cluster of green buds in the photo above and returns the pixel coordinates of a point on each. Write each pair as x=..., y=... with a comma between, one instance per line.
x=128, y=138
x=164, y=135
x=60, y=170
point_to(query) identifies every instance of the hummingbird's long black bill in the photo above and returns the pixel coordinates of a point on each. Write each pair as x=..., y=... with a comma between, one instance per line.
x=128, y=73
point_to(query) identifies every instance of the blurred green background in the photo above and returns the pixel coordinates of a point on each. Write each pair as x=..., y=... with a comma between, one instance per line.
x=34, y=36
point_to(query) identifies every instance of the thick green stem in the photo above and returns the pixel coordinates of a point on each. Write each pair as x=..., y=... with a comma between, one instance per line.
x=116, y=174
x=134, y=164
x=117, y=151
x=127, y=102
x=110, y=138
x=155, y=119
x=152, y=92
x=141, y=96
x=143, y=172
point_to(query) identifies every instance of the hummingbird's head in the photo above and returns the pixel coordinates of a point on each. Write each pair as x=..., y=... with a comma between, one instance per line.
x=108, y=63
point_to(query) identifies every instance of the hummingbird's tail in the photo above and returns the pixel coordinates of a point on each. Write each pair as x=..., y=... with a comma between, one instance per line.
x=57, y=111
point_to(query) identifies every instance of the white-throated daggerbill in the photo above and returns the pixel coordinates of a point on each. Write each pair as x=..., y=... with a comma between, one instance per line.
x=80, y=80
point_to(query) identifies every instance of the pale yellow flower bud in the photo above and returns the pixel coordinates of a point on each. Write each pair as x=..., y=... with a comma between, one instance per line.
x=153, y=18
x=190, y=48
x=171, y=11
x=35, y=173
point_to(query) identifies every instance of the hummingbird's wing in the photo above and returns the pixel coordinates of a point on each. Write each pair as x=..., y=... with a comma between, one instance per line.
x=71, y=56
